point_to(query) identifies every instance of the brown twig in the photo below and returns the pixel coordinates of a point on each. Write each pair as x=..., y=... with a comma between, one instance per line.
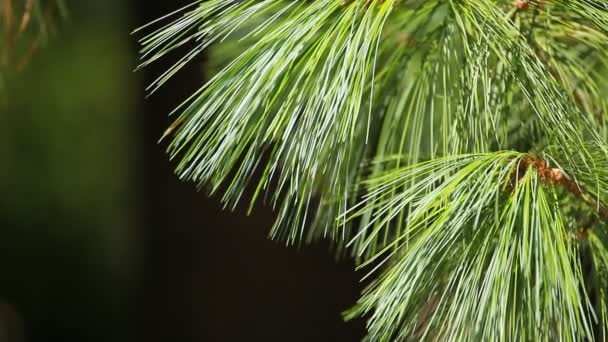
x=521, y=5
x=36, y=43
x=557, y=177
x=7, y=19
x=27, y=15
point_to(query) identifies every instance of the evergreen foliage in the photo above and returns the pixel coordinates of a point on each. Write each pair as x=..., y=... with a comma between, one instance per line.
x=456, y=149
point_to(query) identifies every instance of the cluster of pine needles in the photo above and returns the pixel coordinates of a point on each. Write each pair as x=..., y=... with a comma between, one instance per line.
x=456, y=149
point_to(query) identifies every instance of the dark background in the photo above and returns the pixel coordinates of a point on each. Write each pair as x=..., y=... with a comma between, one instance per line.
x=99, y=241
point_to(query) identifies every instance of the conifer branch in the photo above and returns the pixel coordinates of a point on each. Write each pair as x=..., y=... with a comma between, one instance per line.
x=389, y=115
x=556, y=177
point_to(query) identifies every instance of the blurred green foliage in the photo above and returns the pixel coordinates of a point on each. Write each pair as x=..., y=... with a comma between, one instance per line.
x=66, y=150
x=27, y=26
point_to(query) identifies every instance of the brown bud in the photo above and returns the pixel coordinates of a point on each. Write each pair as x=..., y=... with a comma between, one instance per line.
x=521, y=4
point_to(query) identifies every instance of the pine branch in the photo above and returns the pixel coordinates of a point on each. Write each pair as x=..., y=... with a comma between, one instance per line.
x=460, y=230
x=389, y=115
x=556, y=177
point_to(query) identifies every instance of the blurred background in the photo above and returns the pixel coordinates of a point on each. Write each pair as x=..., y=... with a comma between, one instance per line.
x=99, y=241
